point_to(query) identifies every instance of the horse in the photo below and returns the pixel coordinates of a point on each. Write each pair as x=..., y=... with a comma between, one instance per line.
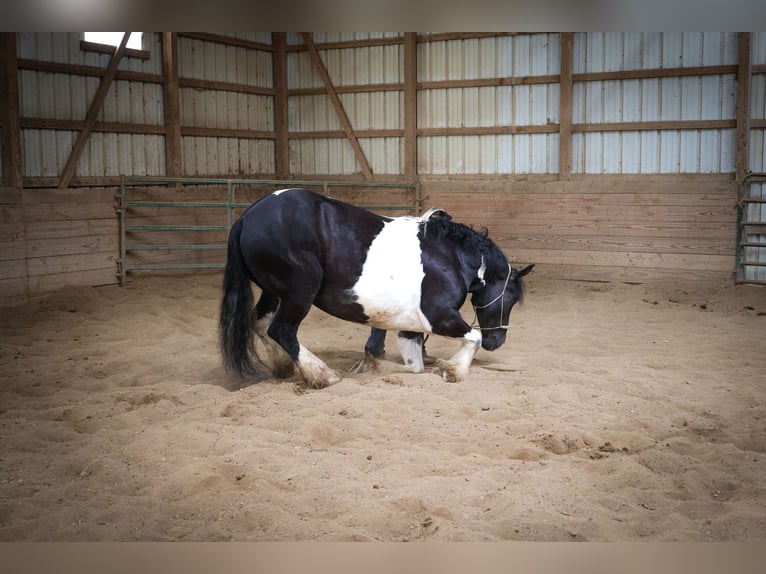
x=399, y=273
x=375, y=347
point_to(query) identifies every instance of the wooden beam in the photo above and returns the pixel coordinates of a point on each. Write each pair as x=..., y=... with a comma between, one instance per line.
x=93, y=111
x=224, y=86
x=743, y=106
x=360, y=89
x=172, y=105
x=226, y=40
x=410, y=106
x=654, y=73
x=347, y=128
x=76, y=125
x=345, y=44
x=655, y=125
x=281, y=145
x=80, y=70
x=9, y=111
x=565, y=107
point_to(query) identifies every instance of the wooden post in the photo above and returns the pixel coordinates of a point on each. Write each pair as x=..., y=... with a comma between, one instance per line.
x=410, y=106
x=172, y=105
x=9, y=111
x=743, y=106
x=319, y=65
x=565, y=107
x=93, y=111
x=282, y=146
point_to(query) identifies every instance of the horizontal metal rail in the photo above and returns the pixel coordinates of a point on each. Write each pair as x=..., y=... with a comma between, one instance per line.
x=123, y=266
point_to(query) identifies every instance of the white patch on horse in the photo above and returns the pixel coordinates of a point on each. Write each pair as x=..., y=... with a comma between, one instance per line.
x=482, y=269
x=389, y=287
x=314, y=371
x=412, y=353
x=281, y=191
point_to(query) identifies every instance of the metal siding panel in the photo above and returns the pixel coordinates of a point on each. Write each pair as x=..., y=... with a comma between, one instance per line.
x=594, y=153
x=689, y=151
x=613, y=51
x=538, y=153
x=454, y=108
x=652, y=52
x=579, y=52
x=594, y=61
x=521, y=56
x=632, y=50
x=728, y=156
x=454, y=62
x=504, y=56
x=505, y=154
x=631, y=152
x=650, y=146
x=488, y=154
x=470, y=107
x=504, y=105
x=578, y=103
x=672, y=49
x=671, y=98
x=692, y=49
x=578, y=153
x=486, y=107
x=521, y=106
x=471, y=61
x=521, y=153
x=554, y=54
x=471, y=156
x=709, y=151
x=631, y=100
x=710, y=92
x=669, y=151
x=612, y=151
x=487, y=54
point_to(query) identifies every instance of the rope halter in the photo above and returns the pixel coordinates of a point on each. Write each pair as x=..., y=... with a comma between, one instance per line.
x=502, y=305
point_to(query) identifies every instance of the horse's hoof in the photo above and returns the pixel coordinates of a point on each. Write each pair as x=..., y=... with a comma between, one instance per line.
x=446, y=371
x=368, y=363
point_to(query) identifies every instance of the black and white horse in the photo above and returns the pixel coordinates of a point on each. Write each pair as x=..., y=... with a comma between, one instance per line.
x=375, y=347
x=404, y=273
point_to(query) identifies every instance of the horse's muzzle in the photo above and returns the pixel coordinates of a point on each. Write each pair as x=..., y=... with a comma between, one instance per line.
x=491, y=340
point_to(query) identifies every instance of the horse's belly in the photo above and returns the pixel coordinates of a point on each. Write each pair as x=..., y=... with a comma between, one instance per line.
x=389, y=287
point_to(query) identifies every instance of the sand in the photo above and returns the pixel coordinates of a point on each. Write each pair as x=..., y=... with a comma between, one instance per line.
x=613, y=412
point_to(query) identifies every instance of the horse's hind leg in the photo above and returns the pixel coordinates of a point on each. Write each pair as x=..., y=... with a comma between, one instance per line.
x=270, y=354
x=284, y=330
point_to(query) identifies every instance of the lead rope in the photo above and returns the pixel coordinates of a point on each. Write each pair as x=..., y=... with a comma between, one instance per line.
x=474, y=324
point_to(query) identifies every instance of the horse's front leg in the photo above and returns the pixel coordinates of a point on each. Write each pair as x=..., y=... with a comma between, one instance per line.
x=456, y=368
x=411, y=349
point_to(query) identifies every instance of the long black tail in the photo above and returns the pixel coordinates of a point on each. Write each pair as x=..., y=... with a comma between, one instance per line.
x=235, y=328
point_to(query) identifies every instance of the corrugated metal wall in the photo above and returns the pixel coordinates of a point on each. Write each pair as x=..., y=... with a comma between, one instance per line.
x=67, y=96
x=366, y=111
x=220, y=109
x=522, y=105
x=688, y=98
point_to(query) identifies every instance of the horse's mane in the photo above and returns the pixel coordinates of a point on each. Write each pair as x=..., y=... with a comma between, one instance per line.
x=473, y=242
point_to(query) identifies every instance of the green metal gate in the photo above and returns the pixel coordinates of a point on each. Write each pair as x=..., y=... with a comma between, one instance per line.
x=751, y=230
x=226, y=203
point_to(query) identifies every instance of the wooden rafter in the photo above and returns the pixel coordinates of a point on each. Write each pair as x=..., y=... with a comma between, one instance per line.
x=744, y=70
x=281, y=145
x=93, y=111
x=9, y=112
x=565, y=107
x=410, y=106
x=172, y=105
x=349, y=131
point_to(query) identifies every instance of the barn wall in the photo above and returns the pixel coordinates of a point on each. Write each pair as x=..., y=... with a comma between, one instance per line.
x=642, y=202
x=614, y=228
x=55, y=238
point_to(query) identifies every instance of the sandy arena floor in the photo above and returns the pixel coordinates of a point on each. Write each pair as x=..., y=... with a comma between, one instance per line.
x=613, y=412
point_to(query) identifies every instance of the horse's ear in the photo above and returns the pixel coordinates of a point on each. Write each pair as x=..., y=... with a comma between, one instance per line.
x=524, y=271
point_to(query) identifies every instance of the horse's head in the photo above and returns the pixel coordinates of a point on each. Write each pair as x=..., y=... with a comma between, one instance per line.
x=493, y=304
